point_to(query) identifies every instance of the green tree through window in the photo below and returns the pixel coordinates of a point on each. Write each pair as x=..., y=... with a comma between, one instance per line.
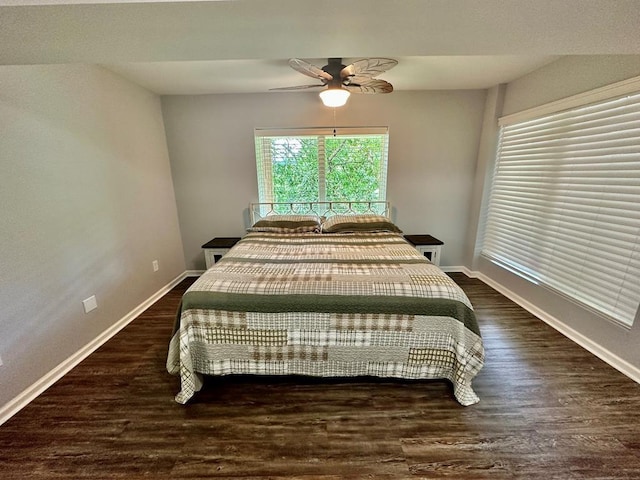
x=354, y=168
x=311, y=165
x=295, y=169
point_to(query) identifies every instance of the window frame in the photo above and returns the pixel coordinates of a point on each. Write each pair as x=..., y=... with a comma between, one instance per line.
x=264, y=164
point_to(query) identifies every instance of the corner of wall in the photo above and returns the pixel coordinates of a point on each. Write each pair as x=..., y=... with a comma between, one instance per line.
x=484, y=168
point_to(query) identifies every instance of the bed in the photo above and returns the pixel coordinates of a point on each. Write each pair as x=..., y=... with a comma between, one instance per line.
x=325, y=295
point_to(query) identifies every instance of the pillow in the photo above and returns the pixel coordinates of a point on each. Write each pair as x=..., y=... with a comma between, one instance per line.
x=287, y=224
x=358, y=223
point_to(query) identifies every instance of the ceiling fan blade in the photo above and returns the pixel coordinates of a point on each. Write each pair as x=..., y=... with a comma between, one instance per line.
x=368, y=67
x=298, y=87
x=372, y=86
x=357, y=80
x=309, y=70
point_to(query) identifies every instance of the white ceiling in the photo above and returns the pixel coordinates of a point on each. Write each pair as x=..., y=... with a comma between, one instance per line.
x=250, y=76
x=243, y=45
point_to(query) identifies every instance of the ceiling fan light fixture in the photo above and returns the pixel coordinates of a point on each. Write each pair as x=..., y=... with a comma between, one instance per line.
x=334, y=97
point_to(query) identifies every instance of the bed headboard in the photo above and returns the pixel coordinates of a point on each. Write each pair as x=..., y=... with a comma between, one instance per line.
x=322, y=209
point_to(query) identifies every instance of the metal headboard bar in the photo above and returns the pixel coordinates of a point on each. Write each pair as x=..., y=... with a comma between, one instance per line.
x=321, y=209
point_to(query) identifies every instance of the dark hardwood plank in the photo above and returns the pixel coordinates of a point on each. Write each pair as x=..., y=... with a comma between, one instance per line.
x=548, y=409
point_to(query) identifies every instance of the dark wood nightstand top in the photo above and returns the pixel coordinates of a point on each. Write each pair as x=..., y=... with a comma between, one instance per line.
x=423, y=240
x=221, y=242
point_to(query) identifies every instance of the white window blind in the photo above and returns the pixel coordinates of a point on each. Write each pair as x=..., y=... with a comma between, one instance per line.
x=318, y=164
x=564, y=210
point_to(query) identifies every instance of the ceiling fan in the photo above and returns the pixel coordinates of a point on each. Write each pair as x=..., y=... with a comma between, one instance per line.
x=340, y=80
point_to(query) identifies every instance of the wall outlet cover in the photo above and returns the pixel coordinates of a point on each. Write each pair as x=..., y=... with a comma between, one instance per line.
x=90, y=304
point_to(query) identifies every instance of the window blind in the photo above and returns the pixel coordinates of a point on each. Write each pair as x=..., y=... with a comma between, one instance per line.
x=564, y=209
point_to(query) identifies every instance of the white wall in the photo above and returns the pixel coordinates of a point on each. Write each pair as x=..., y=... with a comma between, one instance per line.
x=566, y=77
x=86, y=204
x=433, y=148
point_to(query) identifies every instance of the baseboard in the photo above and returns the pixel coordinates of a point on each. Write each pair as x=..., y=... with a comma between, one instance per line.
x=453, y=268
x=596, y=349
x=23, y=399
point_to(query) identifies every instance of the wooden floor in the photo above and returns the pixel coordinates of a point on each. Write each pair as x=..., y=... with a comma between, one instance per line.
x=548, y=410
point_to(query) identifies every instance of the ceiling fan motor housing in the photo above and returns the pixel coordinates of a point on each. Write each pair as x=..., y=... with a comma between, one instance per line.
x=333, y=68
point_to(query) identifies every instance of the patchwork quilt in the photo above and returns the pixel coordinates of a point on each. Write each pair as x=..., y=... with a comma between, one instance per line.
x=326, y=305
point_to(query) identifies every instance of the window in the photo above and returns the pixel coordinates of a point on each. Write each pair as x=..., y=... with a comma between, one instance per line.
x=564, y=210
x=310, y=165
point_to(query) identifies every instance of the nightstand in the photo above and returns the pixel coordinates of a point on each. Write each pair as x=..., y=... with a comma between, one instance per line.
x=216, y=248
x=427, y=245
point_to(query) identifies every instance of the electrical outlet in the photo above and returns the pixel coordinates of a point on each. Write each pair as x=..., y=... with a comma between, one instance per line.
x=90, y=304
x=156, y=266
